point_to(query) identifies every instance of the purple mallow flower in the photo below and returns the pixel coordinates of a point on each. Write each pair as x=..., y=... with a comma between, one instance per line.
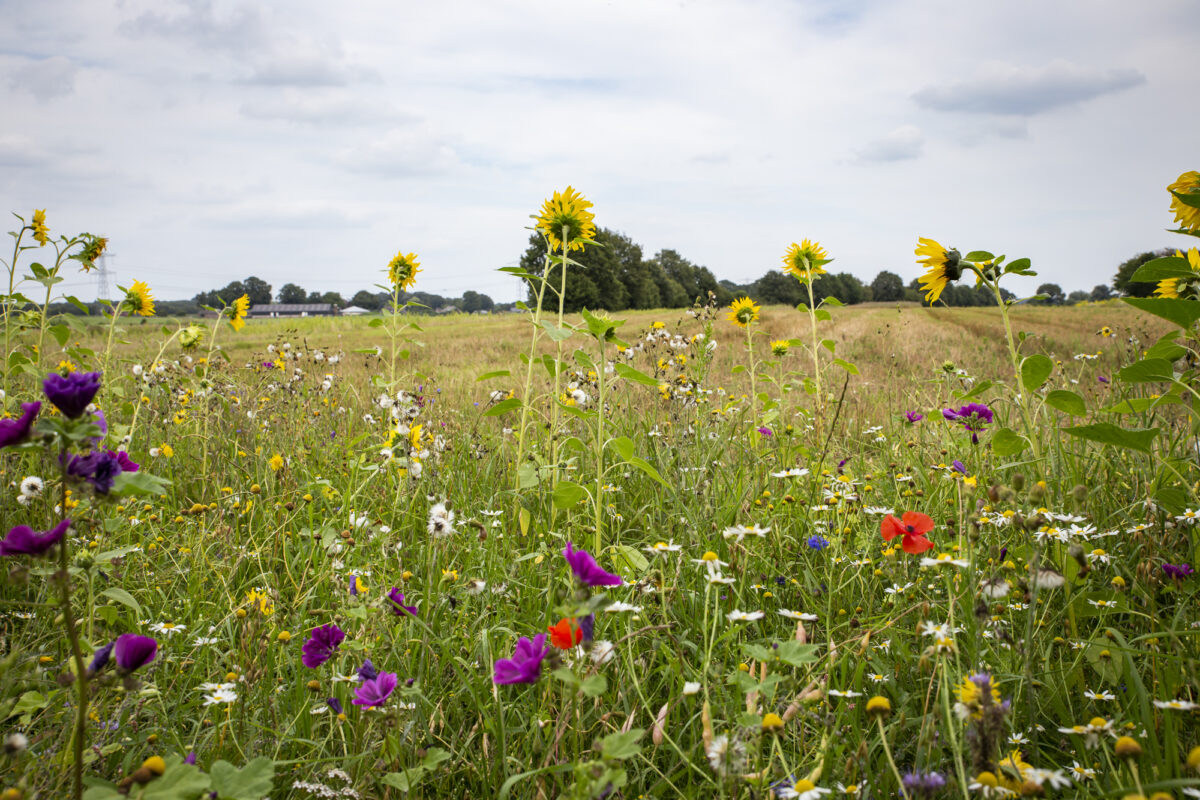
x=190, y=759
x=73, y=393
x=1177, y=572
x=766, y=431
x=100, y=468
x=396, y=604
x=913, y=416
x=958, y=466
x=25, y=541
x=335, y=705
x=100, y=658
x=320, y=645
x=587, y=626
x=367, y=671
x=16, y=431
x=973, y=416
x=375, y=692
x=526, y=664
x=587, y=570
x=133, y=651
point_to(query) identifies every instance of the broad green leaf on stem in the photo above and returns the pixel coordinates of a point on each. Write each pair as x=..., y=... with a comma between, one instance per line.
x=833, y=301
x=139, y=484
x=1183, y=313
x=523, y=516
x=1067, y=402
x=629, y=373
x=404, y=781
x=503, y=407
x=180, y=782
x=1188, y=198
x=251, y=782
x=975, y=391
x=1006, y=442
x=1172, y=499
x=1135, y=405
x=823, y=314
x=829, y=344
x=1035, y=370
x=594, y=686
x=500, y=373
x=1160, y=269
x=620, y=746
x=1167, y=348
x=122, y=596
x=1140, y=439
x=624, y=447
x=627, y=559
x=568, y=494
x=527, y=476
x=979, y=255
x=645, y=467
x=554, y=332
x=584, y=359
x=1148, y=370
x=846, y=365
x=375, y=322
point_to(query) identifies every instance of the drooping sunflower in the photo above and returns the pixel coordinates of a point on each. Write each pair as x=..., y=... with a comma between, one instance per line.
x=943, y=267
x=40, y=232
x=238, y=311
x=1187, y=216
x=138, y=299
x=742, y=312
x=402, y=272
x=806, y=260
x=1185, y=287
x=1169, y=287
x=191, y=336
x=93, y=248
x=567, y=209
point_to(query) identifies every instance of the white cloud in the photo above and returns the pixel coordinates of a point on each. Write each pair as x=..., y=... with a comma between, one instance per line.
x=902, y=144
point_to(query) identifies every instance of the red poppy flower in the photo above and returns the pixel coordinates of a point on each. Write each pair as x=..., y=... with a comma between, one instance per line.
x=913, y=527
x=567, y=633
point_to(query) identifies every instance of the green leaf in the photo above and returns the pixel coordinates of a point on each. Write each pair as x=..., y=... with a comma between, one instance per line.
x=1021, y=266
x=1139, y=439
x=828, y=344
x=833, y=301
x=527, y=478
x=645, y=467
x=603, y=328
x=180, y=782
x=1183, y=313
x=846, y=365
x=565, y=675
x=594, y=686
x=1148, y=370
x=568, y=494
x=404, y=781
x=433, y=757
x=976, y=390
x=101, y=791
x=979, y=255
x=75, y=301
x=1167, y=348
x=624, y=447
x=251, y=782
x=620, y=746
x=797, y=654
x=1188, y=198
x=139, y=484
x=1135, y=405
x=823, y=314
x=1160, y=269
x=626, y=558
x=503, y=407
x=122, y=596
x=1006, y=442
x=28, y=704
x=500, y=373
x=554, y=332
x=584, y=359
x=1035, y=369
x=375, y=322
x=1067, y=402
x=629, y=373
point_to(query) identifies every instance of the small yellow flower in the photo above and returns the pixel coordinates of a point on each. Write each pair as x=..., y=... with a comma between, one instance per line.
x=568, y=210
x=1127, y=747
x=402, y=271
x=284, y=637
x=779, y=348
x=742, y=312
x=155, y=764
x=772, y=722
x=237, y=312
x=166, y=450
x=275, y=462
x=40, y=232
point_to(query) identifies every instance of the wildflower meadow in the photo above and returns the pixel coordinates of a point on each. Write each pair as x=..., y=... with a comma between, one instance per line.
x=736, y=551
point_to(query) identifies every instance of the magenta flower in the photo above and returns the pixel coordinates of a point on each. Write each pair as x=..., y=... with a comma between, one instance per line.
x=25, y=541
x=133, y=651
x=321, y=645
x=526, y=664
x=375, y=692
x=914, y=416
x=100, y=468
x=766, y=431
x=16, y=431
x=974, y=417
x=73, y=393
x=396, y=604
x=1177, y=572
x=587, y=570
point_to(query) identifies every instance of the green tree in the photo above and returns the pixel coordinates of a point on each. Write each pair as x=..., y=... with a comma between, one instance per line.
x=368, y=300
x=887, y=287
x=1054, y=294
x=333, y=298
x=602, y=280
x=1101, y=292
x=291, y=293
x=258, y=290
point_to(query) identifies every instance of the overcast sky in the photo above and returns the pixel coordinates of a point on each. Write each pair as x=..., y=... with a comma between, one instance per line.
x=310, y=141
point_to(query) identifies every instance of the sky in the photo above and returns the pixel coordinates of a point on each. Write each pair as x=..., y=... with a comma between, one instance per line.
x=309, y=142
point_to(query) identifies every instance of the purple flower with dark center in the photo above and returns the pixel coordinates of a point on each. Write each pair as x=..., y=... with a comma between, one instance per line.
x=587, y=627
x=100, y=658
x=587, y=570
x=974, y=417
x=526, y=663
x=913, y=417
x=958, y=466
x=1177, y=572
x=766, y=431
x=396, y=604
x=335, y=705
x=73, y=393
x=24, y=540
x=375, y=692
x=367, y=671
x=99, y=468
x=133, y=651
x=320, y=645
x=923, y=785
x=817, y=542
x=16, y=431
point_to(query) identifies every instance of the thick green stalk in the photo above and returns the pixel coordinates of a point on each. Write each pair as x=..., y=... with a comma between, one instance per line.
x=812, y=318
x=8, y=302
x=554, y=412
x=599, y=503
x=1023, y=395
x=526, y=399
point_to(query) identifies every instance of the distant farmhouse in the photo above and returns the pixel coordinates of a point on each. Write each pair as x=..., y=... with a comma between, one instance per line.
x=294, y=310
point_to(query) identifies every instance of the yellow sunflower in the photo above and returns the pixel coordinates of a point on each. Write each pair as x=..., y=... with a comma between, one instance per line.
x=942, y=267
x=40, y=232
x=780, y=347
x=238, y=311
x=568, y=210
x=93, y=248
x=1169, y=287
x=1186, y=286
x=806, y=260
x=1187, y=216
x=742, y=312
x=138, y=299
x=402, y=272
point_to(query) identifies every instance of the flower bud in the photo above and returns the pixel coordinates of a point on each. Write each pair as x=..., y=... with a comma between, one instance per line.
x=879, y=706
x=1127, y=747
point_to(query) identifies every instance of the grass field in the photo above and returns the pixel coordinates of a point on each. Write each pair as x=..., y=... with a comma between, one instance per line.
x=764, y=638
